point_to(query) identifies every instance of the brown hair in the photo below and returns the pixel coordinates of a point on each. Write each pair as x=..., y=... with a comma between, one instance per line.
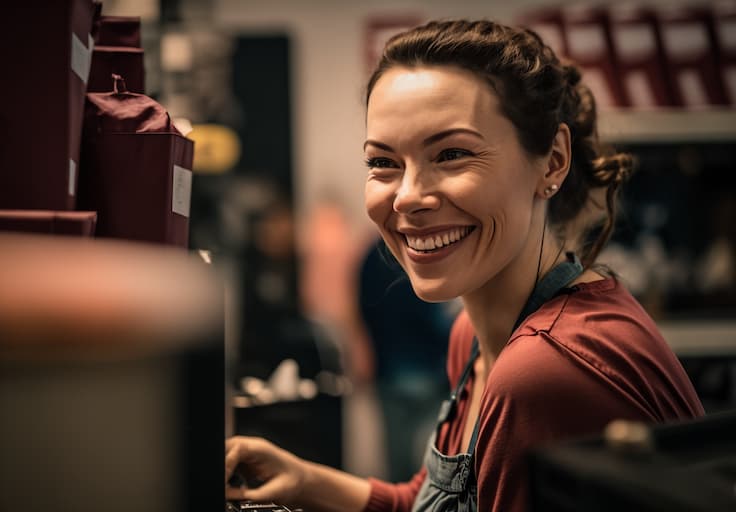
x=537, y=93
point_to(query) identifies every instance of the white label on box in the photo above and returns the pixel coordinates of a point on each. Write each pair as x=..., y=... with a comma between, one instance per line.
x=640, y=90
x=692, y=89
x=586, y=41
x=634, y=41
x=727, y=34
x=72, y=177
x=685, y=40
x=82, y=56
x=182, y=191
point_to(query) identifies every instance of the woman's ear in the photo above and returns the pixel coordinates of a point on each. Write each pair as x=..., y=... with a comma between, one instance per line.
x=557, y=163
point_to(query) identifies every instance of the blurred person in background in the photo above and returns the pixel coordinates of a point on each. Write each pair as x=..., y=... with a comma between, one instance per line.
x=409, y=342
x=483, y=165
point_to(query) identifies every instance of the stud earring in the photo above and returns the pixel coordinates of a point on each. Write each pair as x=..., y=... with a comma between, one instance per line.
x=550, y=190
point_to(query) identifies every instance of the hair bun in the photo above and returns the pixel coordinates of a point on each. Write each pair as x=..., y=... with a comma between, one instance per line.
x=613, y=169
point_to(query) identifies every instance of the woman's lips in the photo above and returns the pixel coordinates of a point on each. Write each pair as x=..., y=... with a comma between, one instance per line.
x=429, y=247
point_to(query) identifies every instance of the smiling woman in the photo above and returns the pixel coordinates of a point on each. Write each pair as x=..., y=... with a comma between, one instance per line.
x=447, y=160
x=484, y=178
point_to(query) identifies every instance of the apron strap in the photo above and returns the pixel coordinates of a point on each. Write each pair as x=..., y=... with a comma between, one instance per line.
x=447, y=409
x=557, y=279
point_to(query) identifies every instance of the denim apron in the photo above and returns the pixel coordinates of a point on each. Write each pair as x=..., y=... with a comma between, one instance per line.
x=450, y=484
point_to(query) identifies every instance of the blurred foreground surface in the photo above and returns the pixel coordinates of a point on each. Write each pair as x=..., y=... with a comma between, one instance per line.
x=111, y=377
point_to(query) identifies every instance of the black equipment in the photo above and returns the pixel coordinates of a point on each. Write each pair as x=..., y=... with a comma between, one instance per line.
x=688, y=466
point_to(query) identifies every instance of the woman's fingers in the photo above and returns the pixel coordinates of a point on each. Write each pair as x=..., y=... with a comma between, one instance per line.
x=234, y=453
x=249, y=454
x=242, y=450
x=273, y=490
x=231, y=462
x=235, y=493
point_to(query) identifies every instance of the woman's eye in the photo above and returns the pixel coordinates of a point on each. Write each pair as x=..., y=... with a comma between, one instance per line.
x=453, y=154
x=379, y=162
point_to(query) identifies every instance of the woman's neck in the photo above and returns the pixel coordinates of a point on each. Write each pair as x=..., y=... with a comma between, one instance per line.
x=494, y=307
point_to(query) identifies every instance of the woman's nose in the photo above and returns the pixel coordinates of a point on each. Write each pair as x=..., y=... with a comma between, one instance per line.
x=415, y=193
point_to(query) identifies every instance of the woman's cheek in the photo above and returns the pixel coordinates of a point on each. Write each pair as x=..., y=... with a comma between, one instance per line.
x=378, y=201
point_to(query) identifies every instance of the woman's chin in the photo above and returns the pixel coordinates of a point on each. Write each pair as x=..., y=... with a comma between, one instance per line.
x=434, y=293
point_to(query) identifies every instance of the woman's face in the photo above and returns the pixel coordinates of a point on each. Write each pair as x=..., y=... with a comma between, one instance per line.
x=449, y=185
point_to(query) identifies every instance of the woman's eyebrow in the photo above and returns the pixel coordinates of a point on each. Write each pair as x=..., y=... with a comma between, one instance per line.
x=379, y=145
x=429, y=140
x=446, y=133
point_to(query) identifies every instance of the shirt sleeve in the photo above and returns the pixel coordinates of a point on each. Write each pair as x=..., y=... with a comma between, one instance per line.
x=387, y=497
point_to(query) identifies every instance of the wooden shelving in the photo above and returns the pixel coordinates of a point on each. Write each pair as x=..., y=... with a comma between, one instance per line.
x=667, y=126
x=700, y=338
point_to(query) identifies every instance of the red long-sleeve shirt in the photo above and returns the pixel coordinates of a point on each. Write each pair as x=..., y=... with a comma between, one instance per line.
x=583, y=359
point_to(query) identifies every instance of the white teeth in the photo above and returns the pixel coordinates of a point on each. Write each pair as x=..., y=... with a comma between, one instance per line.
x=437, y=241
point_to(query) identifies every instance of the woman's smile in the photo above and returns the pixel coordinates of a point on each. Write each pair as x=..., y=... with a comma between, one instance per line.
x=431, y=245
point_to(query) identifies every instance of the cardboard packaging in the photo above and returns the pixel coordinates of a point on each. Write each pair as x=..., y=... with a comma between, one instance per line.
x=45, y=69
x=136, y=169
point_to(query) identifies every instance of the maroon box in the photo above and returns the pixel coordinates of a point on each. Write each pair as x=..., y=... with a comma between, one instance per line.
x=136, y=168
x=49, y=222
x=46, y=58
x=692, y=50
x=725, y=28
x=118, y=31
x=124, y=61
x=117, y=51
x=549, y=24
x=588, y=35
x=641, y=57
x=140, y=185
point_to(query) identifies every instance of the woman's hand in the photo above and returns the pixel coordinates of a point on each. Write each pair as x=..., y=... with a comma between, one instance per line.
x=289, y=480
x=282, y=473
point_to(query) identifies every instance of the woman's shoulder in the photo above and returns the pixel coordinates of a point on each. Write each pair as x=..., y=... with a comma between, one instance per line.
x=597, y=336
x=587, y=304
x=598, y=321
x=604, y=308
x=580, y=328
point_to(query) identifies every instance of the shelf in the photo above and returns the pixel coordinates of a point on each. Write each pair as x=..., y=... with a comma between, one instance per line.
x=667, y=126
x=700, y=338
